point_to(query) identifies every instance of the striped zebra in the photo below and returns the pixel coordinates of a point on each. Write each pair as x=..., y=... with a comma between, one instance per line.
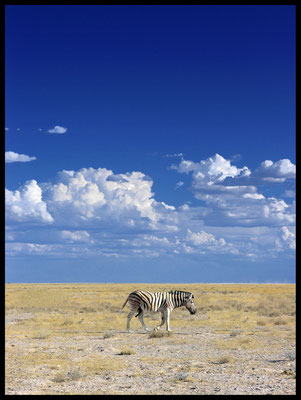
x=165, y=302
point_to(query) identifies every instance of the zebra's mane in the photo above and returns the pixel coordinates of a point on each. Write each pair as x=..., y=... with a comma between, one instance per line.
x=179, y=291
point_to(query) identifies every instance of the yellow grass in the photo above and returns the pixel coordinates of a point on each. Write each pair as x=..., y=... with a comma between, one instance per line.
x=62, y=309
x=242, y=315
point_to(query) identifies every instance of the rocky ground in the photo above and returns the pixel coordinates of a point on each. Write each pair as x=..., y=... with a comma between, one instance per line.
x=190, y=361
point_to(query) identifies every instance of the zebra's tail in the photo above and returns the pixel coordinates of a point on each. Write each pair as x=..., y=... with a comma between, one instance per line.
x=124, y=303
x=139, y=311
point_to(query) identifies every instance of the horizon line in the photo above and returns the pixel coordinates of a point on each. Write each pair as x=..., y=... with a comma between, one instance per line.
x=156, y=283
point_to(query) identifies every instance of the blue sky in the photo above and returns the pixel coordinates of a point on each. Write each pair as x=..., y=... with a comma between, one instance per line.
x=150, y=143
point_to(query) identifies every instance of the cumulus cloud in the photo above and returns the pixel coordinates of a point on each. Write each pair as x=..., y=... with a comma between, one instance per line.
x=75, y=236
x=99, y=198
x=95, y=212
x=11, y=157
x=288, y=237
x=57, y=129
x=200, y=238
x=212, y=170
x=229, y=202
x=218, y=170
x=26, y=204
x=204, y=242
x=279, y=171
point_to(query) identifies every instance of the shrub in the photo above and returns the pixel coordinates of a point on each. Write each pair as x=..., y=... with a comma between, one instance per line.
x=280, y=321
x=108, y=334
x=127, y=352
x=225, y=359
x=235, y=332
x=160, y=334
x=71, y=375
x=182, y=376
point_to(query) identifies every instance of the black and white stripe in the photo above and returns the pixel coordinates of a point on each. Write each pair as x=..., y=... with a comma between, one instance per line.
x=142, y=300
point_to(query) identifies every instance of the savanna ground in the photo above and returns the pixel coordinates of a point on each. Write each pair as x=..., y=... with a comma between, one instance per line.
x=71, y=339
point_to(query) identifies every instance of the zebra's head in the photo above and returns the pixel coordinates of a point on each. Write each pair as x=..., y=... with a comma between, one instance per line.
x=189, y=303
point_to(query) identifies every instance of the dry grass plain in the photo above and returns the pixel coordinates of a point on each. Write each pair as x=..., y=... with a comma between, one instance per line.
x=71, y=339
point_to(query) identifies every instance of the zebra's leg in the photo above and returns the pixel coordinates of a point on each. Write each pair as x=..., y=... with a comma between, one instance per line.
x=163, y=319
x=167, y=320
x=140, y=316
x=129, y=317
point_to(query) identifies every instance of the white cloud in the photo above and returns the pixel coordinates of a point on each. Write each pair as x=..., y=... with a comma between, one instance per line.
x=11, y=157
x=173, y=155
x=217, y=170
x=212, y=170
x=57, y=129
x=206, y=242
x=89, y=195
x=26, y=204
x=275, y=171
x=289, y=193
x=98, y=197
x=179, y=184
x=13, y=249
x=200, y=238
x=75, y=236
x=218, y=183
x=94, y=212
x=288, y=237
x=256, y=196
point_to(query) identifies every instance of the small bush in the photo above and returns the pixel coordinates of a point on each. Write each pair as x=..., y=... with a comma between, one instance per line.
x=235, y=332
x=160, y=334
x=280, y=321
x=225, y=359
x=182, y=376
x=127, y=352
x=71, y=375
x=108, y=334
x=40, y=335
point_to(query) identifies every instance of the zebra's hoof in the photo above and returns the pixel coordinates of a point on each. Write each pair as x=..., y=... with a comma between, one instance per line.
x=129, y=331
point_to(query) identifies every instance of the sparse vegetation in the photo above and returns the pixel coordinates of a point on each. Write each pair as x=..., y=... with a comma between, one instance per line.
x=126, y=352
x=108, y=334
x=235, y=332
x=64, y=337
x=224, y=359
x=160, y=334
x=71, y=375
x=182, y=376
x=40, y=335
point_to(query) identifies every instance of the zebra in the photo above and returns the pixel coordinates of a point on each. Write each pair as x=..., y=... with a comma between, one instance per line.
x=165, y=302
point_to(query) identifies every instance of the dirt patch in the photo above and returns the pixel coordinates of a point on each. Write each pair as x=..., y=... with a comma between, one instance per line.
x=71, y=339
x=17, y=317
x=188, y=362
